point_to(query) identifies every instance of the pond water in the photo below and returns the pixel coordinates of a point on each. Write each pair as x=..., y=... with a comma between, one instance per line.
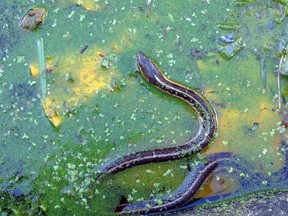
x=73, y=100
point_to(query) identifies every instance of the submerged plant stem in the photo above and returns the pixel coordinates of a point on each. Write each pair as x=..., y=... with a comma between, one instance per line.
x=278, y=83
x=263, y=72
x=41, y=56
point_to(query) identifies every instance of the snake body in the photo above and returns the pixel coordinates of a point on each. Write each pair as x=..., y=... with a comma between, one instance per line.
x=206, y=122
x=206, y=128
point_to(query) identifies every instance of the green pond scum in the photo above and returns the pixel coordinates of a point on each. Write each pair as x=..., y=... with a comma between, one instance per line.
x=98, y=107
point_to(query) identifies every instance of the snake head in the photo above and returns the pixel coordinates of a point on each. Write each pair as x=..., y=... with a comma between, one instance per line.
x=149, y=69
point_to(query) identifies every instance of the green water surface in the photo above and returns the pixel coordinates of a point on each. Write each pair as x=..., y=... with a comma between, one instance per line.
x=54, y=167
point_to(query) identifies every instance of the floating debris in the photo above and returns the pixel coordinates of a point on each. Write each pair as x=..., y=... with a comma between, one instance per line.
x=105, y=63
x=33, y=18
x=116, y=85
x=229, y=50
x=250, y=130
x=52, y=113
x=83, y=49
x=34, y=70
x=69, y=78
x=108, y=60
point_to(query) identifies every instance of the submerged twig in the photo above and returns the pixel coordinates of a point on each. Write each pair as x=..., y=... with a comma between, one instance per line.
x=41, y=56
x=83, y=49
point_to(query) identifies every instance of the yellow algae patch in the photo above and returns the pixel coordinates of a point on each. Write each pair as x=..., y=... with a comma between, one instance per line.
x=228, y=126
x=34, y=70
x=229, y=119
x=249, y=132
x=52, y=112
x=73, y=80
x=50, y=65
x=217, y=185
x=206, y=65
x=87, y=73
x=247, y=124
x=89, y=83
x=91, y=5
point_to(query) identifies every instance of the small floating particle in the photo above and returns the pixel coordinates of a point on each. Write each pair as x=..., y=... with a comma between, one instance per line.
x=20, y=59
x=71, y=14
x=169, y=171
x=242, y=174
x=67, y=35
x=54, y=24
x=82, y=17
x=71, y=166
x=25, y=136
x=43, y=207
x=159, y=201
x=96, y=191
x=130, y=198
x=264, y=182
x=105, y=63
x=149, y=171
x=230, y=170
x=134, y=191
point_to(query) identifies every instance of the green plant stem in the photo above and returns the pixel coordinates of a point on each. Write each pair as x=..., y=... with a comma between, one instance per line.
x=41, y=56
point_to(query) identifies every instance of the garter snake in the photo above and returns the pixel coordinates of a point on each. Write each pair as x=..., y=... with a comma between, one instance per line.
x=207, y=123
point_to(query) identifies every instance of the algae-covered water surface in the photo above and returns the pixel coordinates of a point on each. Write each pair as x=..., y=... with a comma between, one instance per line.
x=72, y=100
